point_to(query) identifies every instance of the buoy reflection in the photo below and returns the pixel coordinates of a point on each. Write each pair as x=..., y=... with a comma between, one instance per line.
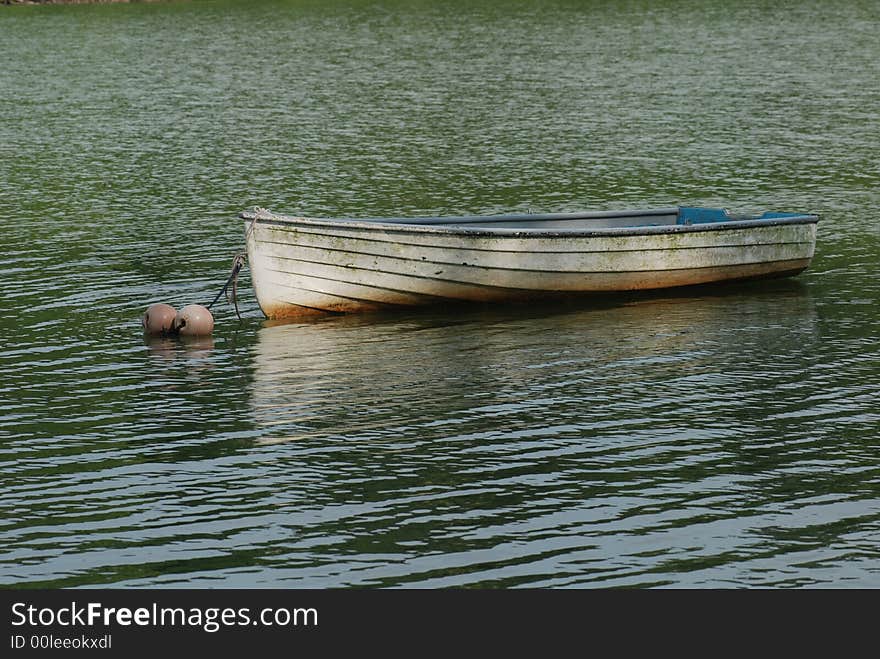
x=170, y=348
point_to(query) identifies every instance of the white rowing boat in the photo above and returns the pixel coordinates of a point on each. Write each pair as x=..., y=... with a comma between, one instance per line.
x=302, y=265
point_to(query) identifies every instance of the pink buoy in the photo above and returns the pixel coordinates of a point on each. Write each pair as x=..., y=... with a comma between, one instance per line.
x=194, y=320
x=158, y=319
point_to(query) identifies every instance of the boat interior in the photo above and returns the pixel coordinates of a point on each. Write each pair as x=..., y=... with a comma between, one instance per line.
x=585, y=221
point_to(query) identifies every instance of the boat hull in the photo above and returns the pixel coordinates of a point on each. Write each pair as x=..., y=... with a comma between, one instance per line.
x=301, y=266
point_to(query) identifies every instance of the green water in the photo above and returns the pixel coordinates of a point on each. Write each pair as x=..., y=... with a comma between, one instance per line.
x=716, y=437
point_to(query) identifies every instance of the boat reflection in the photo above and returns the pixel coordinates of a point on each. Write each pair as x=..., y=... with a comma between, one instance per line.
x=359, y=376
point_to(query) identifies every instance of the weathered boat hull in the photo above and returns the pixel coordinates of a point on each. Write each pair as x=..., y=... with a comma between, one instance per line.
x=303, y=266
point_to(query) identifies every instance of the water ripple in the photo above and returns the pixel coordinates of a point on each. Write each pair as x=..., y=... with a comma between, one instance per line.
x=716, y=437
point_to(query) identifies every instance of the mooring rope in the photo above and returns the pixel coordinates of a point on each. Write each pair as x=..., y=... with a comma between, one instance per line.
x=257, y=211
x=238, y=262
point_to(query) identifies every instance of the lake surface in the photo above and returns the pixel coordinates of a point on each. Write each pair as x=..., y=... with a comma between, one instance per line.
x=716, y=437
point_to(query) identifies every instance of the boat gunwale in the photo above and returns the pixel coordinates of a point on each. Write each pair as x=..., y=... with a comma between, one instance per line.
x=446, y=225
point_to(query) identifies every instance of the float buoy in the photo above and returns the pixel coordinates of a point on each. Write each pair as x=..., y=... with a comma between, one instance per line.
x=194, y=320
x=159, y=319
